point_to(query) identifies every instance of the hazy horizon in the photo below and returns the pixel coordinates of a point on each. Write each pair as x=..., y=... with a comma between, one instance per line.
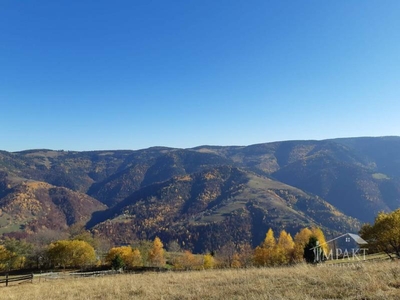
x=197, y=146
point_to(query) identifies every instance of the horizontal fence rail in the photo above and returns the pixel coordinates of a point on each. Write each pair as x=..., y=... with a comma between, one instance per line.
x=16, y=278
x=94, y=273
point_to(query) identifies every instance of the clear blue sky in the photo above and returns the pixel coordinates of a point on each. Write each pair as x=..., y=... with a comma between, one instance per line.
x=86, y=75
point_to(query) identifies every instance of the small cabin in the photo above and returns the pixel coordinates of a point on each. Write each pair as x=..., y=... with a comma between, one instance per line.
x=348, y=245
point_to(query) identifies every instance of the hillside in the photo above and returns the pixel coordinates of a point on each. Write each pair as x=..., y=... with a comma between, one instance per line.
x=205, y=210
x=198, y=195
x=34, y=206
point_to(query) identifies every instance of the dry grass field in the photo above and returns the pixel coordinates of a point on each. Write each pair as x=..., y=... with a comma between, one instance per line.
x=368, y=281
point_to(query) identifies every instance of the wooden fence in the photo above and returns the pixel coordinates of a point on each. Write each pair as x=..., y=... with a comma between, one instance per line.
x=16, y=278
x=95, y=273
x=63, y=275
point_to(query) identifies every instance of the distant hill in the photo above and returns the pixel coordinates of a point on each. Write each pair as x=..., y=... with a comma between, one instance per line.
x=204, y=196
x=32, y=206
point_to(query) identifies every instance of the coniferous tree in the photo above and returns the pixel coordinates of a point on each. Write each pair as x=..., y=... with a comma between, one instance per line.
x=117, y=263
x=311, y=250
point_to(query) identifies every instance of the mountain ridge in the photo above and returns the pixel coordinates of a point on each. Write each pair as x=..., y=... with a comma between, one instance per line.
x=348, y=179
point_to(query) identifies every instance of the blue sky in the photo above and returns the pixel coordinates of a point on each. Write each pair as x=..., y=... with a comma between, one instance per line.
x=87, y=75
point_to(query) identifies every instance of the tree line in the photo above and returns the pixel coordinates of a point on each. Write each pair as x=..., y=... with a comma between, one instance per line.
x=81, y=250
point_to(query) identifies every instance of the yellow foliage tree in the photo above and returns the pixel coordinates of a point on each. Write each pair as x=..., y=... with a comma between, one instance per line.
x=260, y=256
x=269, y=241
x=271, y=252
x=156, y=254
x=187, y=261
x=300, y=241
x=236, y=261
x=317, y=232
x=137, y=260
x=130, y=257
x=71, y=253
x=263, y=254
x=283, y=251
x=208, y=261
x=384, y=234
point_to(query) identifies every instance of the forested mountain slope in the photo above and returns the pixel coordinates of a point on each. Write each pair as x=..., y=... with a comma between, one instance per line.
x=195, y=195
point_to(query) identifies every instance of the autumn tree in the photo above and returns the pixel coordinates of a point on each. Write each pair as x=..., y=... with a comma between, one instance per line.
x=263, y=254
x=384, y=234
x=130, y=257
x=144, y=247
x=71, y=253
x=156, y=254
x=300, y=241
x=236, y=261
x=102, y=245
x=40, y=242
x=20, y=251
x=269, y=241
x=137, y=260
x=317, y=232
x=6, y=259
x=283, y=251
x=78, y=232
x=187, y=261
x=272, y=252
x=208, y=261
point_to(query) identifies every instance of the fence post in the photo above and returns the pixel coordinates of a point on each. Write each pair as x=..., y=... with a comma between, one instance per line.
x=7, y=279
x=31, y=277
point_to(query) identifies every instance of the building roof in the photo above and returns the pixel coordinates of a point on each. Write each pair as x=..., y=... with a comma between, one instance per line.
x=355, y=237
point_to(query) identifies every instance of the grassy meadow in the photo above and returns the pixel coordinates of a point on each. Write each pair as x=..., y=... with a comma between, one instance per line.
x=379, y=280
